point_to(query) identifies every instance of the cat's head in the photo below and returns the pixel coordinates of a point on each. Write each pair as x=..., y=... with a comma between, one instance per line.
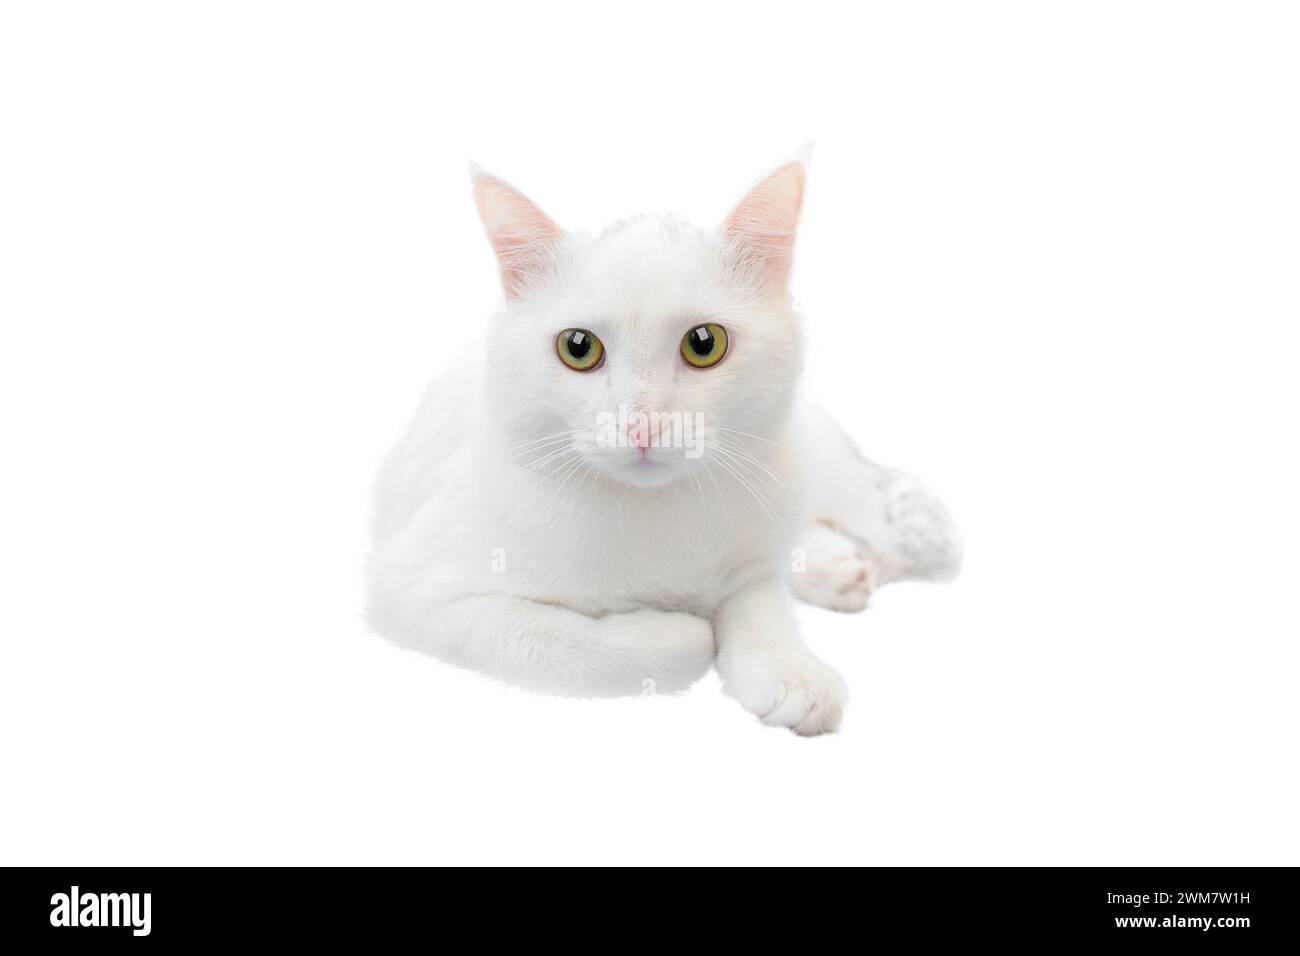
x=650, y=349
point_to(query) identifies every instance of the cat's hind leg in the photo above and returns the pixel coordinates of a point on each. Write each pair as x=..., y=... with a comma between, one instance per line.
x=890, y=520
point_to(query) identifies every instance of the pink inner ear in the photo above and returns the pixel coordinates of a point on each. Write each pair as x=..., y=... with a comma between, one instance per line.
x=765, y=221
x=521, y=234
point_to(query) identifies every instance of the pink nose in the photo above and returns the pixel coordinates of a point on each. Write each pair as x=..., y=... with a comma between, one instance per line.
x=642, y=434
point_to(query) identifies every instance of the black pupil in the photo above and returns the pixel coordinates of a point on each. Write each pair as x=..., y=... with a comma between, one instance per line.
x=701, y=341
x=579, y=344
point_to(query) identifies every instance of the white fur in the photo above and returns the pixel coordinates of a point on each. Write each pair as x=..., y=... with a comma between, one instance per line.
x=507, y=540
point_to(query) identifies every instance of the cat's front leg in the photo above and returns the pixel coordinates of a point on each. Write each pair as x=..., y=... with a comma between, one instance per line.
x=766, y=666
x=548, y=647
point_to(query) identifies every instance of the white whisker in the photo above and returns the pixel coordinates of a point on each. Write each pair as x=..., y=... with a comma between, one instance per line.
x=570, y=473
x=744, y=455
x=735, y=473
x=539, y=444
x=746, y=465
x=549, y=457
x=722, y=499
x=699, y=487
x=590, y=468
x=563, y=464
x=733, y=431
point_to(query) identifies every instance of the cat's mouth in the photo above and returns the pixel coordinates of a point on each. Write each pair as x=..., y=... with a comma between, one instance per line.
x=645, y=467
x=643, y=459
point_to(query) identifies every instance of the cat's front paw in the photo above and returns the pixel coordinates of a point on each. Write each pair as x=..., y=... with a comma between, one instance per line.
x=786, y=688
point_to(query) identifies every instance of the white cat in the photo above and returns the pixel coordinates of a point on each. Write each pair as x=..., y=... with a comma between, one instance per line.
x=541, y=524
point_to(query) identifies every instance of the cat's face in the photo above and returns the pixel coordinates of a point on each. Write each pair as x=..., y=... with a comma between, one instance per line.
x=650, y=354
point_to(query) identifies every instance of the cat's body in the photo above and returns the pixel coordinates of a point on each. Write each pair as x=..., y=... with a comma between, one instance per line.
x=509, y=538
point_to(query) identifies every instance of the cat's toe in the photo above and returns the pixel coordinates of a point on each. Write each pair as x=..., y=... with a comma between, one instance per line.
x=849, y=602
x=805, y=695
x=843, y=584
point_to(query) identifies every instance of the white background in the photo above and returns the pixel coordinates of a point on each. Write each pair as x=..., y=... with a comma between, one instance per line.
x=1049, y=263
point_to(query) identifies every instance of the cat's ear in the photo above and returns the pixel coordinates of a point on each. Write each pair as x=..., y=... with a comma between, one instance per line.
x=522, y=236
x=763, y=224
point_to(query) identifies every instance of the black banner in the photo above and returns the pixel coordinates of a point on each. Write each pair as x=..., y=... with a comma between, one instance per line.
x=134, y=908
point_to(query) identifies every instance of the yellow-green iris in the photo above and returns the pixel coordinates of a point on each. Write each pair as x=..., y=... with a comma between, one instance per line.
x=704, y=345
x=579, y=349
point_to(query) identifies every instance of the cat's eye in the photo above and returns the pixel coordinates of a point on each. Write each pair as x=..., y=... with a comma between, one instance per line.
x=704, y=345
x=580, y=350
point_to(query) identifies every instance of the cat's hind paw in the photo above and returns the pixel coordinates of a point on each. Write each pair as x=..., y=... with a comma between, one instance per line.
x=924, y=534
x=831, y=571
